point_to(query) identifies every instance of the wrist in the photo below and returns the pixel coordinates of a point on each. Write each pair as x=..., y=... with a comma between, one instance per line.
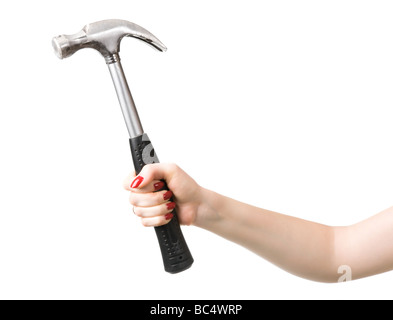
x=208, y=209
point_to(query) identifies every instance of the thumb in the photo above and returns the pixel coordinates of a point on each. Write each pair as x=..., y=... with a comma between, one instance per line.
x=152, y=172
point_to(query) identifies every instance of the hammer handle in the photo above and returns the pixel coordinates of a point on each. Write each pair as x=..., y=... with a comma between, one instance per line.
x=174, y=250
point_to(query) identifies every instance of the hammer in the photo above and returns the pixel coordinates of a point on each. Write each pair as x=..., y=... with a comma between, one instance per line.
x=105, y=36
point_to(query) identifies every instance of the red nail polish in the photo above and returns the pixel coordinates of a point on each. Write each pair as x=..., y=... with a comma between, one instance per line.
x=169, y=216
x=158, y=186
x=168, y=195
x=170, y=205
x=137, y=182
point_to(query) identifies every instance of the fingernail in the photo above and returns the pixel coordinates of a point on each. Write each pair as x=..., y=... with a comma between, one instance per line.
x=137, y=182
x=168, y=216
x=158, y=186
x=168, y=195
x=170, y=205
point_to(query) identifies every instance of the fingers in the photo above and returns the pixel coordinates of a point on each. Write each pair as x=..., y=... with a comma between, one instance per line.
x=150, y=199
x=157, y=221
x=151, y=203
x=154, y=208
x=155, y=216
x=150, y=212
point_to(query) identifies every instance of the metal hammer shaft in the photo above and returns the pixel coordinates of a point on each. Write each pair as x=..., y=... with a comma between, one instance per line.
x=126, y=101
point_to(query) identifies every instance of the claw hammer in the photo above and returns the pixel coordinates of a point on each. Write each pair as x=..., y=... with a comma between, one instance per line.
x=105, y=36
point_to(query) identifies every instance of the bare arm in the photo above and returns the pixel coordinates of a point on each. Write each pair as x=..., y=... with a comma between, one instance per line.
x=298, y=246
x=307, y=249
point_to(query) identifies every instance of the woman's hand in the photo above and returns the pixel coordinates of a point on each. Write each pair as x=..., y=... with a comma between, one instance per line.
x=153, y=204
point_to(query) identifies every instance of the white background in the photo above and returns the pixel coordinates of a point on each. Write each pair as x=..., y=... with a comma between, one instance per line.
x=286, y=105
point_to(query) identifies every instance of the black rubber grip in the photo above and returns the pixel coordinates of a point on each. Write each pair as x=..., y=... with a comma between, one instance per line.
x=175, y=253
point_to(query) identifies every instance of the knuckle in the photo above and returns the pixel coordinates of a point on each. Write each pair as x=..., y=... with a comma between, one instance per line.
x=173, y=167
x=138, y=211
x=146, y=222
x=147, y=170
x=143, y=222
x=131, y=199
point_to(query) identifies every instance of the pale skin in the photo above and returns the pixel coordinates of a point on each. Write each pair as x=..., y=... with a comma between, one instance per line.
x=304, y=248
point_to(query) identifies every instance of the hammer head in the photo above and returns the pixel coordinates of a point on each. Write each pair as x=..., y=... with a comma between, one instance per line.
x=105, y=37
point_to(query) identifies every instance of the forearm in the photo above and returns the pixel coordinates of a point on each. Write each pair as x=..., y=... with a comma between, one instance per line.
x=301, y=247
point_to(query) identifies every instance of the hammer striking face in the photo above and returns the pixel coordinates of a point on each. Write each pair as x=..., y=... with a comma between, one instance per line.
x=105, y=36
